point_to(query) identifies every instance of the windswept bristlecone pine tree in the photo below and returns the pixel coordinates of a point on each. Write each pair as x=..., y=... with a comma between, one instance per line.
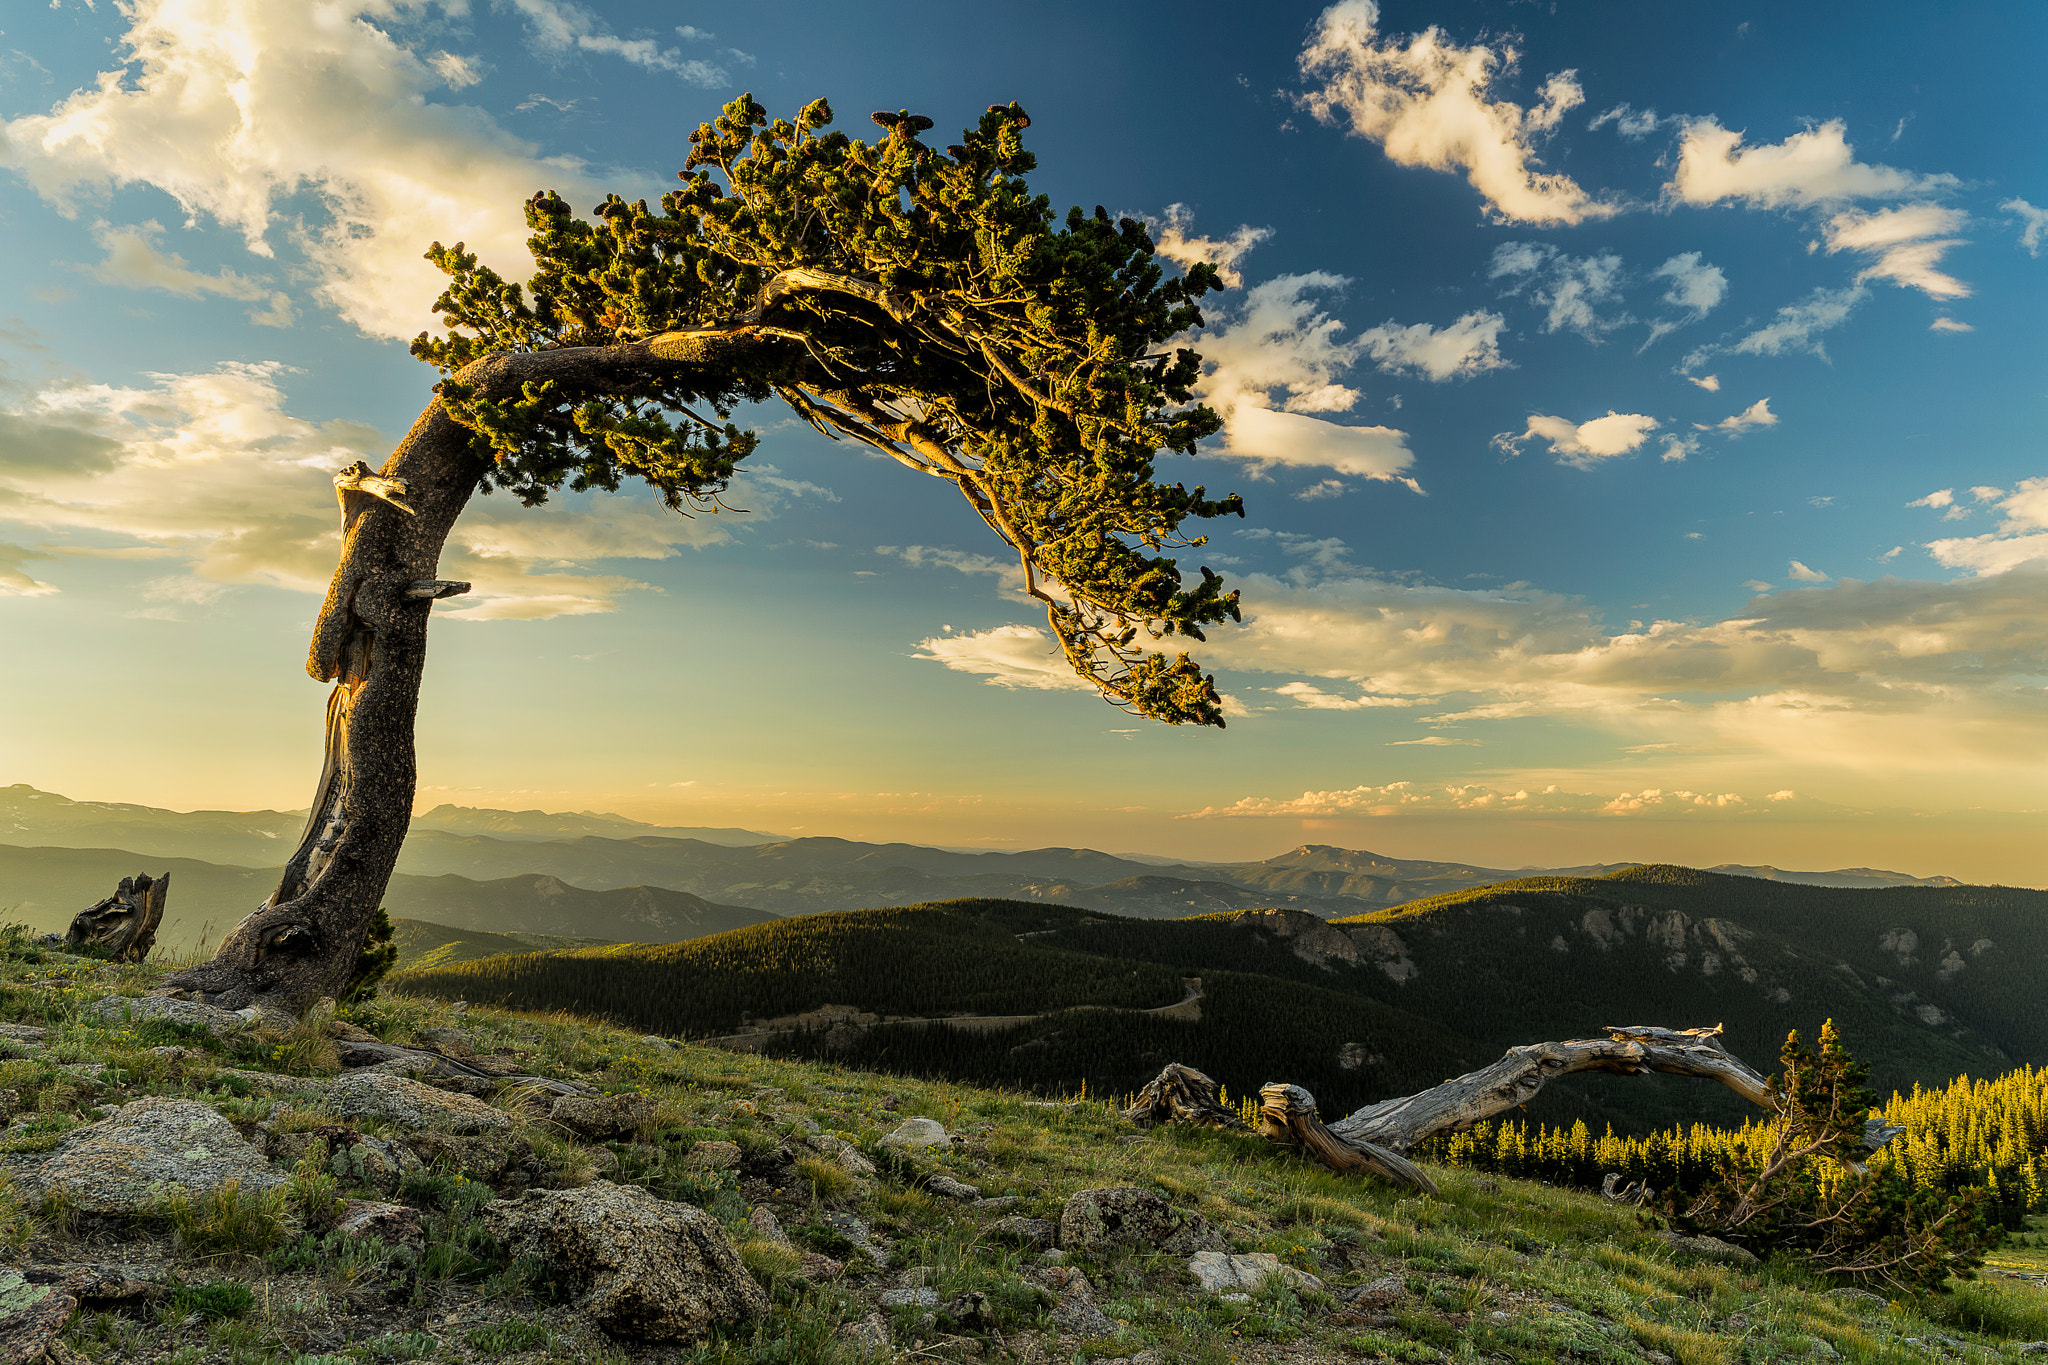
x=922, y=302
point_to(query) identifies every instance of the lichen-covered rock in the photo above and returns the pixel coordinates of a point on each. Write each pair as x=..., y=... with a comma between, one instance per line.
x=600, y=1118
x=1218, y=1271
x=121, y=1009
x=949, y=1188
x=1375, y=1295
x=1123, y=1217
x=860, y=1234
x=645, y=1268
x=1034, y=1233
x=395, y=1223
x=132, y=1159
x=1076, y=1313
x=1712, y=1248
x=410, y=1104
x=767, y=1226
x=915, y=1133
x=31, y=1316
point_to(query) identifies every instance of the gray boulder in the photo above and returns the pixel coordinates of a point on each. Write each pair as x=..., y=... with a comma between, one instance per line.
x=409, y=1104
x=1713, y=1248
x=141, y=1153
x=1101, y=1222
x=121, y=1009
x=1034, y=1233
x=843, y=1154
x=645, y=1268
x=1219, y=1272
x=915, y=1133
x=600, y=1118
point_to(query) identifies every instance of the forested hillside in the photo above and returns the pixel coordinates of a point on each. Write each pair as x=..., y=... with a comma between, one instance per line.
x=1357, y=1009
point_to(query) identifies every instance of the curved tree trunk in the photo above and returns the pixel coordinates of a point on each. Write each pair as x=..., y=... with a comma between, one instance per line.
x=1373, y=1139
x=370, y=641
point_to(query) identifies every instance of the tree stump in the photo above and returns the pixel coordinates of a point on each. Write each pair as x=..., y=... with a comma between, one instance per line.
x=123, y=925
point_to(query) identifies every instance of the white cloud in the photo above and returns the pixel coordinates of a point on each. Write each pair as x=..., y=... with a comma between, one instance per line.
x=1417, y=798
x=1173, y=238
x=1430, y=103
x=1757, y=414
x=1308, y=695
x=1633, y=124
x=1583, y=445
x=1009, y=656
x=1796, y=326
x=209, y=469
x=1800, y=573
x=1711, y=383
x=1469, y=346
x=232, y=109
x=1940, y=497
x=1696, y=289
x=1676, y=448
x=1907, y=243
x=1949, y=325
x=1570, y=289
x=2033, y=224
x=133, y=261
x=1279, y=345
x=1809, y=168
x=558, y=27
x=2021, y=540
x=457, y=72
x=1326, y=488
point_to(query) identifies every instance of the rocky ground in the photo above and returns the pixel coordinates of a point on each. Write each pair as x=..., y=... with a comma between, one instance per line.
x=187, y=1185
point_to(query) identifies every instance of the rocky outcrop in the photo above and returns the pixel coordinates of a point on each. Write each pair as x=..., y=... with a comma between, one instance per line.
x=1221, y=1273
x=602, y=1118
x=412, y=1104
x=642, y=1267
x=1381, y=946
x=121, y=1009
x=131, y=1161
x=1098, y=1223
x=1313, y=939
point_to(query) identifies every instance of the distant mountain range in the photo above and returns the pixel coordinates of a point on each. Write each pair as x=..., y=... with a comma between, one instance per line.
x=536, y=872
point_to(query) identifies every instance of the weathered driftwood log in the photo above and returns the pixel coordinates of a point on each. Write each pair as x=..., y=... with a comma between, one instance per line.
x=125, y=923
x=1373, y=1139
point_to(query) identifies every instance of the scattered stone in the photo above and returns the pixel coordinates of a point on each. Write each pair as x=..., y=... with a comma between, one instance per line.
x=601, y=1118
x=971, y=1310
x=1859, y=1296
x=653, y=1041
x=999, y=1202
x=121, y=1009
x=767, y=1227
x=950, y=1188
x=821, y=1269
x=23, y=1033
x=869, y=1334
x=1098, y=1222
x=31, y=1316
x=1052, y=1257
x=149, y=1147
x=713, y=1156
x=410, y=1104
x=909, y=1298
x=171, y=1053
x=1219, y=1271
x=916, y=1133
x=1034, y=1233
x=1711, y=1247
x=647, y=1268
x=395, y=1223
x=857, y=1232
x=844, y=1154
x=1376, y=1296
x=1076, y=1315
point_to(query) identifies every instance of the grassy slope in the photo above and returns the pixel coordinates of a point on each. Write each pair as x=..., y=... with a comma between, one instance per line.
x=1497, y=1270
x=422, y=945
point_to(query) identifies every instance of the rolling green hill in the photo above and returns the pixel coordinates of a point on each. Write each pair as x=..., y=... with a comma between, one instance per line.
x=1928, y=982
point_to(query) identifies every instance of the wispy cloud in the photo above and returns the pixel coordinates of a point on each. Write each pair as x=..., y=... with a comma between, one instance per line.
x=1810, y=168
x=1582, y=445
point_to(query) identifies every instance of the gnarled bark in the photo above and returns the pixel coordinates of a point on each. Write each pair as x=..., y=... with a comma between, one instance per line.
x=1373, y=1139
x=370, y=641
x=125, y=923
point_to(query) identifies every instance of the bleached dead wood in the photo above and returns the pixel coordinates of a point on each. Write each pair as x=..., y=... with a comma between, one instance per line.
x=125, y=923
x=1373, y=1139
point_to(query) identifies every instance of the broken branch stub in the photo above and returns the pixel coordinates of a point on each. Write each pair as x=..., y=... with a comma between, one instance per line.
x=1373, y=1139
x=125, y=923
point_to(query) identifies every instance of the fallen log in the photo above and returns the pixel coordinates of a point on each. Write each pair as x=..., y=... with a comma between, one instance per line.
x=1373, y=1139
x=124, y=925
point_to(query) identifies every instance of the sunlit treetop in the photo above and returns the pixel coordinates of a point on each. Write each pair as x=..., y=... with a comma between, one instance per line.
x=921, y=301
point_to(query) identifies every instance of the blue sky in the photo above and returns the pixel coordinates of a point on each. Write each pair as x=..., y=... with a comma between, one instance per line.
x=1637, y=409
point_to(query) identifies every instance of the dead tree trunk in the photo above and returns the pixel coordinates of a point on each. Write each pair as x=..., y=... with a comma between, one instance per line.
x=1373, y=1139
x=370, y=641
x=125, y=923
